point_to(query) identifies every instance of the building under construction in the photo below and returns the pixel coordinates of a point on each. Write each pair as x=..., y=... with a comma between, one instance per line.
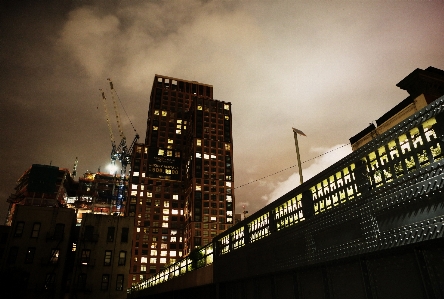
x=51, y=186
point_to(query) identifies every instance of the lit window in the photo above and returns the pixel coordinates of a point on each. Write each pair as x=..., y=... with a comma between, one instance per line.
x=227, y=117
x=122, y=258
x=199, y=107
x=163, y=260
x=226, y=107
x=228, y=184
x=164, y=113
x=213, y=156
x=155, y=128
x=54, y=259
x=166, y=211
x=165, y=218
x=144, y=259
x=227, y=146
x=175, y=196
x=179, y=121
x=142, y=268
x=173, y=239
x=161, y=152
x=175, y=212
x=107, y=260
x=163, y=253
x=199, y=142
x=229, y=213
x=156, y=112
x=153, y=260
x=164, y=224
x=206, y=156
x=149, y=194
x=178, y=132
x=229, y=198
x=198, y=188
x=198, y=155
x=170, y=140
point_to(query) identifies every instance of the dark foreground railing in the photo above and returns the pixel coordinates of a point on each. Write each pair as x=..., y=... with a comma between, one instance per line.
x=398, y=166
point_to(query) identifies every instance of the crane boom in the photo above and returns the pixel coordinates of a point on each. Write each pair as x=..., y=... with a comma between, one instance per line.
x=111, y=135
x=116, y=110
x=119, y=152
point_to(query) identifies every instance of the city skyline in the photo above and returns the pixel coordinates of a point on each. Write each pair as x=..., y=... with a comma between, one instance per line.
x=328, y=68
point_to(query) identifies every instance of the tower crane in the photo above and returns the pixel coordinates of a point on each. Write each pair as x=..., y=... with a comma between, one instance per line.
x=120, y=152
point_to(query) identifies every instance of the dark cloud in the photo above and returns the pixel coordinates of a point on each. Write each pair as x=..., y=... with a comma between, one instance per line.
x=326, y=67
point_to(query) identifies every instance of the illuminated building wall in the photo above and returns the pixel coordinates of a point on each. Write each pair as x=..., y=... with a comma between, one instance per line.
x=423, y=86
x=182, y=177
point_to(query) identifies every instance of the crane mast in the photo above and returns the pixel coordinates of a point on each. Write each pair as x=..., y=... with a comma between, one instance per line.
x=121, y=152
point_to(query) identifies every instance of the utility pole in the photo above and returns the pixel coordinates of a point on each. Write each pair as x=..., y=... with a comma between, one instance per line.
x=296, y=132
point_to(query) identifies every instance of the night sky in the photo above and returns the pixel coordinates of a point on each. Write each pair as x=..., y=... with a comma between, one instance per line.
x=326, y=67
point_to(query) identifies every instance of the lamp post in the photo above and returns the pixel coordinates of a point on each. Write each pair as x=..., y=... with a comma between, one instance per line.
x=296, y=132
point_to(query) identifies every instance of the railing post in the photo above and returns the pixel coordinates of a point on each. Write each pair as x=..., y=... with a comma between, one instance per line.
x=246, y=234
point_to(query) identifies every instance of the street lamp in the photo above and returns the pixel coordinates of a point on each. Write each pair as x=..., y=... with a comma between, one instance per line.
x=296, y=132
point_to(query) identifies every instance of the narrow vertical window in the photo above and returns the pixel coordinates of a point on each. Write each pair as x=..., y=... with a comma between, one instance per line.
x=12, y=255
x=107, y=260
x=105, y=282
x=30, y=253
x=81, y=281
x=119, y=282
x=88, y=234
x=59, y=231
x=122, y=258
x=19, y=229
x=86, y=253
x=110, y=234
x=124, y=236
x=35, y=230
x=50, y=281
x=54, y=258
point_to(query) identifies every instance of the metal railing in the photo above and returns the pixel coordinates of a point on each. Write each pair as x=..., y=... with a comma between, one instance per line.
x=388, y=160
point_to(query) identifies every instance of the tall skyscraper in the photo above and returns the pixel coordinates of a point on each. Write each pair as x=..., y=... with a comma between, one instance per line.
x=181, y=185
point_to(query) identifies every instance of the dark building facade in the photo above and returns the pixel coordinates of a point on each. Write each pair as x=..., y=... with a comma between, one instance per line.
x=181, y=185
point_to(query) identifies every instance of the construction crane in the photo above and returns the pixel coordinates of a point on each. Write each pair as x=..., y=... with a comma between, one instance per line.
x=121, y=152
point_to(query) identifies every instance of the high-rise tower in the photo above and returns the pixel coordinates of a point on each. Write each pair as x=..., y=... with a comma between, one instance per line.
x=181, y=189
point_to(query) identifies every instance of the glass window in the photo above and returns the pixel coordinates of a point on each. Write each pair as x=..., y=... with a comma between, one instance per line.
x=54, y=259
x=86, y=253
x=30, y=253
x=110, y=234
x=59, y=230
x=119, y=282
x=81, y=282
x=124, y=237
x=35, y=230
x=108, y=256
x=12, y=255
x=19, y=229
x=105, y=282
x=122, y=258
